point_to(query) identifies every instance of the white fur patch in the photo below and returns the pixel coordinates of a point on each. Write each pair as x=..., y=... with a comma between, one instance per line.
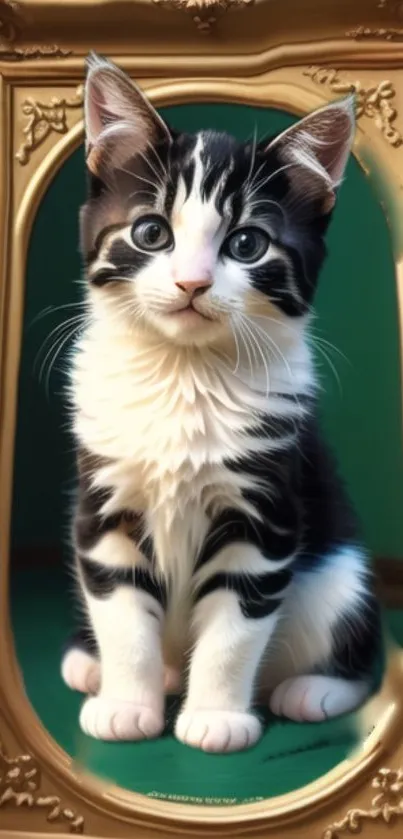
x=115, y=550
x=237, y=558
x=167, y=418
x=227, y=651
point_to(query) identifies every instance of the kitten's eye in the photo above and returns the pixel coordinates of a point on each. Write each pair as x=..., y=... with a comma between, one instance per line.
x=248, y=244
x=152, y=233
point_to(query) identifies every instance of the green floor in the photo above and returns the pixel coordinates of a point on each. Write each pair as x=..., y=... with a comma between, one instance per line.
x=289, y=756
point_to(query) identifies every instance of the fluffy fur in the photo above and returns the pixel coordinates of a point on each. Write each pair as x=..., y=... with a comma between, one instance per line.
x=214, y=543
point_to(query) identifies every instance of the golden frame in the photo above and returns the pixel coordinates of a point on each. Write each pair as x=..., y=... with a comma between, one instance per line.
x=183, y=50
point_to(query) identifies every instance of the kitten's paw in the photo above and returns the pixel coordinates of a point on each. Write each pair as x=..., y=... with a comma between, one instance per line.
x=316, y=698
x=81, y=671
x=218, y=731
x=114, y=719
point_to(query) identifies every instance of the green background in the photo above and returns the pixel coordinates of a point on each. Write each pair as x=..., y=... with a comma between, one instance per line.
x=357, y=312
x=288, y=756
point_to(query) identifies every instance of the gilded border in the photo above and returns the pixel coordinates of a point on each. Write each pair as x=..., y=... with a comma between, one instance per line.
x=117, y=805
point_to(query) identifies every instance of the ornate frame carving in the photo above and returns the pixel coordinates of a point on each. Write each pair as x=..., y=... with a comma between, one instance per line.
x=259, y=53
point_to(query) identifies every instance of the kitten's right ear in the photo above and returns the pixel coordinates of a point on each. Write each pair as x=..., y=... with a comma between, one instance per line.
x=119, y=119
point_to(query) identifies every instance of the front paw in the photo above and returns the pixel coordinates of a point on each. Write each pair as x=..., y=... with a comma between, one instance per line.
x=114, y=719
x=218, y=731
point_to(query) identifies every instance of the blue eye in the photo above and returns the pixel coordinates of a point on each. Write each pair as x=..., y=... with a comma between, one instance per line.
x=248, y=244
x=152, y=233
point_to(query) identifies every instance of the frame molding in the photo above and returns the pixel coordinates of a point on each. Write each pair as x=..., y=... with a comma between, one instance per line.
x=262, y=54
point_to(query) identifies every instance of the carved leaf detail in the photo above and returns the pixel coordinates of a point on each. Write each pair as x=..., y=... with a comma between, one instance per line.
x=362, y=33
x=20, y=782
x=204, y=13
x=33, y=53
x=386, y=805
x=374, y=102
x=43, y=118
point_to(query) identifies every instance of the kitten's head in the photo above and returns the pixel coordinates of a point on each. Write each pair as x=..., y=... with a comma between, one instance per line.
x=189, y=233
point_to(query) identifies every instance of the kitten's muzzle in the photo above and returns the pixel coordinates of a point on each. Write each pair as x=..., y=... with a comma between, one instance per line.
x=193, y=289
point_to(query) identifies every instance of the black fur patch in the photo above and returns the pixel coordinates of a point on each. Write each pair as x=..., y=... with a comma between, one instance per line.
x=256, y=592
x=83, y=640
x=277, y=539
x=100, y=238
x=358, y=641
x=328, y=519
x=106, y=276
x=101, y=581
x=127, y=261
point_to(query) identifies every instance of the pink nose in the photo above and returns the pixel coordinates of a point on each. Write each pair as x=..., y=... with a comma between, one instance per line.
x=194, y=287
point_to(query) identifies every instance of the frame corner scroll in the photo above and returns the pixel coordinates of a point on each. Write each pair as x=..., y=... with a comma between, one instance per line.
x=386, y=806
x=21, y=787
x=376, y=102
x=43, y=119
x=13, y=22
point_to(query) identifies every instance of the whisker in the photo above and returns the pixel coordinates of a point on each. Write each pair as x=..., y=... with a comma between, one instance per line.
x=275, y=347
x=158, y=158
x=153, y=169
x=137, y=177
x=318, y=339
x=48, y=310
x=245, y=344
x=252, y=157
x=252, y=338
x=236, y=368
x=332, y=367
x=265, y=365
x=253, y=181
x=61, y=327
x=258, y=201
x=62, y=344
x=54, y=351
x=264, y=181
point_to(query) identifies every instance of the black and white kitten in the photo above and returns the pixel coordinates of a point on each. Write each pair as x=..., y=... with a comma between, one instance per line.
x=212, y=535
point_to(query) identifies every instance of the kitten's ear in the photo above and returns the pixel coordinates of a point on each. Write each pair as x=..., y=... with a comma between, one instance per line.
x=315, y=151
x=119, y=119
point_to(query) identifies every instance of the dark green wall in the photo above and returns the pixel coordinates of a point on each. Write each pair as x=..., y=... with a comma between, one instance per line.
x=357, y=312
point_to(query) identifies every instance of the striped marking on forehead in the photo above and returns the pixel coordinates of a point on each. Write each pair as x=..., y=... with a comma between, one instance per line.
x=203, y=179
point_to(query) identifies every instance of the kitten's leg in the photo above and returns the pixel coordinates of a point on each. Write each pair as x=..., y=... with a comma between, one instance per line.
x=125, y=606
x=81, y=668
x=234, y=616
x=327, y=646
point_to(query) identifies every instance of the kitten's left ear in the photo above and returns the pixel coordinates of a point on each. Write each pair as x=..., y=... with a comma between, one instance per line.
x=315, y=152
x=119, y=119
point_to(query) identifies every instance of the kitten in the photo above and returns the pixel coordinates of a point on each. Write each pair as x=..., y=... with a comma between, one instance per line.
x=212, y=534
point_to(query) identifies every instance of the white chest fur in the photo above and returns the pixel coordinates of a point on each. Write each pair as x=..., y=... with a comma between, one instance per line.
x=167, y=419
